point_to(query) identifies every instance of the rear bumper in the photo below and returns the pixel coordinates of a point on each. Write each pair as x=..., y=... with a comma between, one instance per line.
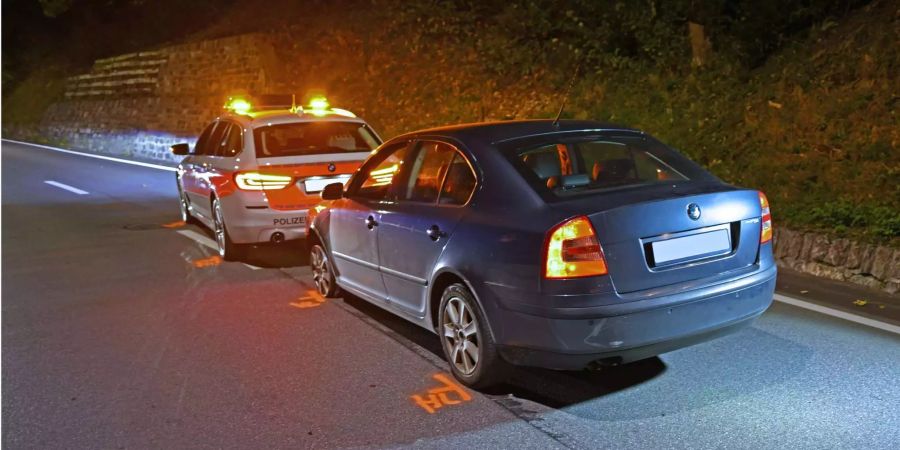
x=249, y=219
x=697, y=316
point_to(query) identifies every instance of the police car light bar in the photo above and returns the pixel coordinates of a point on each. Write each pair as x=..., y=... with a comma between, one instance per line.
x=318, y=106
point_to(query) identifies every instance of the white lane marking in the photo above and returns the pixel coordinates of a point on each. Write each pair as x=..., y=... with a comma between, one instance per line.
x=66, y=187
x=839, y=314
x=90, y=155
x=206, y=242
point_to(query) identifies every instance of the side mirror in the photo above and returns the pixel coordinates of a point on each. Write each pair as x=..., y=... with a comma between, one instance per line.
x=181, y=149
x=333, y=191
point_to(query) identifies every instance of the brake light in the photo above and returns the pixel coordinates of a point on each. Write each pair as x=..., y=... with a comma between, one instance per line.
x=765, y=234
x=573, y=251
x=255, y=181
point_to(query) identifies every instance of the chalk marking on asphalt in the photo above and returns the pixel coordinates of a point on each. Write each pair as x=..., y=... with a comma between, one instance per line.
x=312, y=300
x=89, y=155
x=838, y=313
x=66, y=187
x=206, y=242
x=439, y=397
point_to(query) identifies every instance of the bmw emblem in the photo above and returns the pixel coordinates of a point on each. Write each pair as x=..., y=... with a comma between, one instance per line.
x=331, y=167
x=693, y=211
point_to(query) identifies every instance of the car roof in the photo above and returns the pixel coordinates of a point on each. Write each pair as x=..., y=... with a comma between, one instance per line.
x=509, y=130
x=282, y=116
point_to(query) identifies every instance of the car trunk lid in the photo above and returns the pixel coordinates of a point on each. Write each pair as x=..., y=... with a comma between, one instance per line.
x=649, y=239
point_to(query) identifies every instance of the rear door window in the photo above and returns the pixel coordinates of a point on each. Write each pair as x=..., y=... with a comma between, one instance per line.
x=459, y=183
x=427, y=173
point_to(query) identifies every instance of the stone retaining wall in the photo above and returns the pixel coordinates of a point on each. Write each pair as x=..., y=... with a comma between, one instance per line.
x=875, y=266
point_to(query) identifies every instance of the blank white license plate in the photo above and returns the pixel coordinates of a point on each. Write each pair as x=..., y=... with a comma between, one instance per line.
x=317, y=184
x=693, y=246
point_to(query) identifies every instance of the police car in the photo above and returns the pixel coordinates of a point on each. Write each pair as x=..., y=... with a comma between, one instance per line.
x=257, y=169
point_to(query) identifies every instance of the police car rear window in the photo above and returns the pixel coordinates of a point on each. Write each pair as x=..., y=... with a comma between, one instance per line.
x=313, y=138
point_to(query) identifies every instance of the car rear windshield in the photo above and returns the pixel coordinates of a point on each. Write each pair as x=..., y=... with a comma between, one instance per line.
x=571, y=167
x=313, y=138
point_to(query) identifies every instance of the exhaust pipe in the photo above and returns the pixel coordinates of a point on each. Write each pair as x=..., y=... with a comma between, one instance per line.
x=277, y=237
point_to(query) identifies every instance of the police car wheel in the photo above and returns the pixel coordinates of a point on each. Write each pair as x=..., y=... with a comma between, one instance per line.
x=228, y=250
x=467, y=342
x=323, y=274
x=186, y=216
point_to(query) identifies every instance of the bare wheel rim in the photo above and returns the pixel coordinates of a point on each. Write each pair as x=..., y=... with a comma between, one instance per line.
x=321, y=274
x=184, y=206
x=460, y=335
x=219, y=227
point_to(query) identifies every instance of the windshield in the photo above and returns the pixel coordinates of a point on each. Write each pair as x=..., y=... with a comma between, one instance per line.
x=313, y=138
x=595, y=164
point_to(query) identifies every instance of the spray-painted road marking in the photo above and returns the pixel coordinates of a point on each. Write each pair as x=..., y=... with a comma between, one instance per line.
x=839, y=314
x=312, y=300
x=206, y=242
x=213, y=260
x=66, y=187
x=439, y=397
x=88, y=155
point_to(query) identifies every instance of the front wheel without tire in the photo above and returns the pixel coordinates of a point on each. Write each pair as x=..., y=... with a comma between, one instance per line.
x=228, y=250
x=467, y=341
x=185, y=207
x=323, y=275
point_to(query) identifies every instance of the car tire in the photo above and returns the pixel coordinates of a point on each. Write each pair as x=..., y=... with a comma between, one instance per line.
x=323, y=271
x=184, y=206
x=228, y=250
x=467, y=341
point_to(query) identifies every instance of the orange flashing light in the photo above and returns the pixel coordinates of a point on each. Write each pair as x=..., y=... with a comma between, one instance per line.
x=765, y=233
x=573, y=251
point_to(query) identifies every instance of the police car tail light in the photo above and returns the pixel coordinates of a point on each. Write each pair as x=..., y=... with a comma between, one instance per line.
x=255, y=181
x=765, y=234
x=573, y=251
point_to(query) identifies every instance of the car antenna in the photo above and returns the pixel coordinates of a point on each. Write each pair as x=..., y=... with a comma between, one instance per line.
x=566, y=95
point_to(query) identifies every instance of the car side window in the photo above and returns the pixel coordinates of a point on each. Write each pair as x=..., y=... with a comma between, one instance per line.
x=215, y=140
x=459, y=183
x=380, y=174
x=427, y=173
x=203, y=140
x=232, y=144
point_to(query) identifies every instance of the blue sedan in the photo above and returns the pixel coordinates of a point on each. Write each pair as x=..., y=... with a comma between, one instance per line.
x=564, y=245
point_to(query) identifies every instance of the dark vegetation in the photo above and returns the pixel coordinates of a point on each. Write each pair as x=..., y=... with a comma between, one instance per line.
x=796, y=97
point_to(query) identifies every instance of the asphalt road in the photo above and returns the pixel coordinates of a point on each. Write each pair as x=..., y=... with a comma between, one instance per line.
x=121, y=329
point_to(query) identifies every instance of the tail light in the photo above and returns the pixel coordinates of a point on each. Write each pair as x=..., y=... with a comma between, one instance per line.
x=255, y=181
x=765, y=234
x=573, y=251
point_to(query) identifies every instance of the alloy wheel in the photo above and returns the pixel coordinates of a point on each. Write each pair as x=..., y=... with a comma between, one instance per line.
x=460, y=335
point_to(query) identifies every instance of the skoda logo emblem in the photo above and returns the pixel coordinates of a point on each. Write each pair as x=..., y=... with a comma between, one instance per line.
x=693, y=211
x=331, y=167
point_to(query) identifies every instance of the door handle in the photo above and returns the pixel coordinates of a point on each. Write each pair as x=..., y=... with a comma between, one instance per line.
x=371, y=222
x=435, y=233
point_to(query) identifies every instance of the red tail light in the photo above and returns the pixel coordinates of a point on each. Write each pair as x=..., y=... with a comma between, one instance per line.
x=255, y=181
x=572, y=250
x=765, y=234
